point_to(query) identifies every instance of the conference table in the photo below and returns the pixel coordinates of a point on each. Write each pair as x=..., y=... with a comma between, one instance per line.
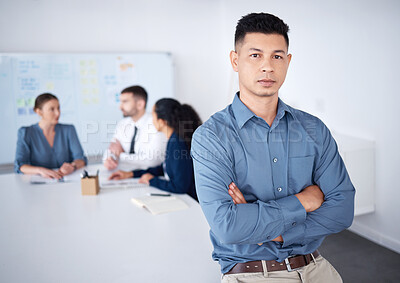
x=53, y=233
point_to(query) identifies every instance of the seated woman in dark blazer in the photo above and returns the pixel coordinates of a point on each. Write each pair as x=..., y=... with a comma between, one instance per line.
x=48, y=145
x=177, y=122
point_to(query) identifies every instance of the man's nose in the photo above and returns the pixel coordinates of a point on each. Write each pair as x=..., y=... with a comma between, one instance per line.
x=267, y=66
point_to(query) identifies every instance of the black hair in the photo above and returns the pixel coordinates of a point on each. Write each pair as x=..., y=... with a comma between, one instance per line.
x=42, y=99
x=138, y=92
x=180, y=117
x=263, y=23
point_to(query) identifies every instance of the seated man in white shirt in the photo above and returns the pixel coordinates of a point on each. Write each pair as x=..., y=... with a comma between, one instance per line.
x=136, y=143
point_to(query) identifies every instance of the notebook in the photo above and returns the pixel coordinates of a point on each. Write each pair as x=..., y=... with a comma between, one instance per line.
x=157, y=205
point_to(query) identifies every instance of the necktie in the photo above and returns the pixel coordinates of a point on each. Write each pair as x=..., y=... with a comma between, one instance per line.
x=133, y=141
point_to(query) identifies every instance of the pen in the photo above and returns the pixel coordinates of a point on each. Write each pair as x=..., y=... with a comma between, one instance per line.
x=84, y=174
x=160, y=195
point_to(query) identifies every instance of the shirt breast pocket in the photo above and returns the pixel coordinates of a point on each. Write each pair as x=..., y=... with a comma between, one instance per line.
x=301, y=171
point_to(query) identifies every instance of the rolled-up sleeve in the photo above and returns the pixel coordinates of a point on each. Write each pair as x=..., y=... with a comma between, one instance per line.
x=249, y=223
x=337, y=211
x=23, y=152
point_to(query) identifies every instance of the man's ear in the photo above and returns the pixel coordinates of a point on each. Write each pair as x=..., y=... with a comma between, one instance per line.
x=140, y=104
x=234, y=60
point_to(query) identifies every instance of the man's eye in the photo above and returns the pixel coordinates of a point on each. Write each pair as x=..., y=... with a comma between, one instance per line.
x=278, y=57
x=254, y=55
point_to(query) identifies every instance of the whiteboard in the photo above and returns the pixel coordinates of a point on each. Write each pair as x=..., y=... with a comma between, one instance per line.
x=87, y=85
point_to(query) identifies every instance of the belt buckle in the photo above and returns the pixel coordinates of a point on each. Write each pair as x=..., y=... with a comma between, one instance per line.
x=288, y=267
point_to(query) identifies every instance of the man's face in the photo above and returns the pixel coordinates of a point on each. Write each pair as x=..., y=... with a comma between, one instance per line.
x=128, y=104
x=261, y=61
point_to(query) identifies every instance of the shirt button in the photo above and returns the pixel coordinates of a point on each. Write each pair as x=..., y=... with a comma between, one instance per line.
x=275, y=160
x=294, y=224
x=269, y=237
x=279, y=189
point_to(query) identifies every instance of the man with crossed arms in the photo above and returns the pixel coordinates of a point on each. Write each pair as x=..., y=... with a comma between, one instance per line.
x=269, y=177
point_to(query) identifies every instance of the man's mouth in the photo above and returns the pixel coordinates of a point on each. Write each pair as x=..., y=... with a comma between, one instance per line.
x=266, y=82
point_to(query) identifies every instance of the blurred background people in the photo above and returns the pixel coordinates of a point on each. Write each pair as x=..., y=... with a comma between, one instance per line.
x=136, y=142
x=48, y=148
x=177, y=122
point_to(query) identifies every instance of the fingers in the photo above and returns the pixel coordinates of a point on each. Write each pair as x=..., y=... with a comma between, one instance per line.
x=66, y=169
x=116, y=148
x=113, y=162
x=119, y=175
x=115, y=176
x=107, y=165
x=54, y=174
x=113, y=147
x=143, y=180
x=278, y=239
x=110, y=164
x=233, y=196
x=51, y=174
x=236, y=194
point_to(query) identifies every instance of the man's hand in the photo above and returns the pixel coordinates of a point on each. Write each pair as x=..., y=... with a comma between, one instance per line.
x=116, y=148
x=236, y=194
x=48, y=173
x=66, y=168
x=145, y=179
x=110, y=163
x=311, y=198
x=119, y=175
x=238, y=198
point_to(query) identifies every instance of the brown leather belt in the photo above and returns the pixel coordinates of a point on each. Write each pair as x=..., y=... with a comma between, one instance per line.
x=289, y=264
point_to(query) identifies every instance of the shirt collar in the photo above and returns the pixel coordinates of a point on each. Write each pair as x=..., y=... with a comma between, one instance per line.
x=243, y=114
x=282, y=109
x=142, y=120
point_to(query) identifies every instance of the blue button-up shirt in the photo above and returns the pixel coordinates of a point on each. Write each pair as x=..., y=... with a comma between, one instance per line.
x=269, y=164
x=34, y=149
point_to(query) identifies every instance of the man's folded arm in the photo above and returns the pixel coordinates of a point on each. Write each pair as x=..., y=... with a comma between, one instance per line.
x=250, y=223
x=337, y=211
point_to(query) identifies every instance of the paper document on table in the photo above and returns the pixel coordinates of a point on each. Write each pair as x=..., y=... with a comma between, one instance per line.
x=39, y=180
x=126, y=183
x=160, y=204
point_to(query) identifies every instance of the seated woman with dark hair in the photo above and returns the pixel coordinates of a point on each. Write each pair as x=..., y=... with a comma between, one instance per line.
x=177, y=122
x=48, y=145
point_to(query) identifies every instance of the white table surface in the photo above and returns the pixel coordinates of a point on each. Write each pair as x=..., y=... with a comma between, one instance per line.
x=51, y=233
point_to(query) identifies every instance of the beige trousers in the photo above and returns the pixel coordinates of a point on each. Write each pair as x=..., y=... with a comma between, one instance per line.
x=319, y=272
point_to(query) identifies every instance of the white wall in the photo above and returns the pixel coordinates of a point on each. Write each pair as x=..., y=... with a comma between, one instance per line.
x=344, y=66
x=190, y=30
x=344, y=70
